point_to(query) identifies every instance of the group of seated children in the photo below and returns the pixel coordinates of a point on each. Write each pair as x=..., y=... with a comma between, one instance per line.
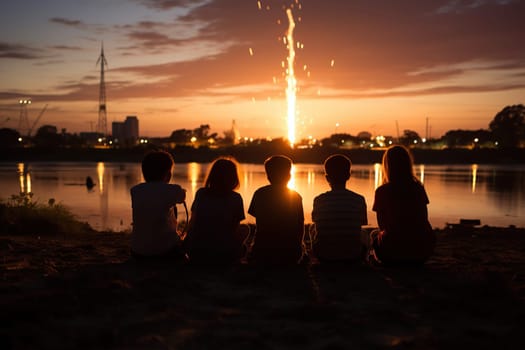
x=215, y=236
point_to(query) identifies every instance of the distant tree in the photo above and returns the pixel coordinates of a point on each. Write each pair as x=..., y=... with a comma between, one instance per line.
x=410, y=137
x=340, y=140
x=201, y=133
x=508, y=126
x=181, y=136
x=364, y=136
x=73, y=140
x=9, y=137
x=462, y=138
x=229, y=137
x=47, y=136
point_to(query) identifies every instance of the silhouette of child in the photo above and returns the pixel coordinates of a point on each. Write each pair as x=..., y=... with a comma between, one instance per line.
x=405, y=234
x=279, y=216
x=154, y=209
x=216, y=213
x=338, y=215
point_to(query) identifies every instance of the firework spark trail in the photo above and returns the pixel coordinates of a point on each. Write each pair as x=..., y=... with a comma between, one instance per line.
x=290, y=78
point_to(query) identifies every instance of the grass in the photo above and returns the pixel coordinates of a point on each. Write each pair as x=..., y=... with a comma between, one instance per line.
x=21, y=215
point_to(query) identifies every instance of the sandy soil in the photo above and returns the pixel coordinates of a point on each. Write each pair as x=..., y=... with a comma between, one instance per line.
x=86, y=293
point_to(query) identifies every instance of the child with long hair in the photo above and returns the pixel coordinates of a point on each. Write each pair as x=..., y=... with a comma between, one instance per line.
x=216, y=213
x=405, y=234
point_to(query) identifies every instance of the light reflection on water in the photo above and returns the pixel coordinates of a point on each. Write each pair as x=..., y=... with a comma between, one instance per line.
x=493, y=194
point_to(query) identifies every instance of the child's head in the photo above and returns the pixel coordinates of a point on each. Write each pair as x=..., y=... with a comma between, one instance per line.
x=398, y=165
x=223, y=175
x=337, y=169
x=278, y=169
x=157, y=166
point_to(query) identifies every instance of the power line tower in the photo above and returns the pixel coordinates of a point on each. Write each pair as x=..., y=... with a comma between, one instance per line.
x=102, y=125
x=23, y=121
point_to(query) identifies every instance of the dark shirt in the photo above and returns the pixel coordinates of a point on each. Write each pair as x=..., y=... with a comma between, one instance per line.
x=402, y=216
x=279, y=218
x=215, y=219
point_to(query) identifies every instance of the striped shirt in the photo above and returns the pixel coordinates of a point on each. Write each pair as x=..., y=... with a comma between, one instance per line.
x=338, y=216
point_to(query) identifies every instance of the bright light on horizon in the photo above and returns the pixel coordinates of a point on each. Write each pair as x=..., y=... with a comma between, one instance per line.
x=290, y=78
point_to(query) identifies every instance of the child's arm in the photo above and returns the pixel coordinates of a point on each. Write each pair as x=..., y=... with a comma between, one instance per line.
x=380, y=219
x=300, y=217
x=252, y=208
x=179, y=194
x=364, y=217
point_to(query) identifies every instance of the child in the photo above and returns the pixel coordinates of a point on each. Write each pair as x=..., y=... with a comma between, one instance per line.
x=154, y=212
x=338, y=215
x=405, y=234
x=216, y=214
x=279, y=216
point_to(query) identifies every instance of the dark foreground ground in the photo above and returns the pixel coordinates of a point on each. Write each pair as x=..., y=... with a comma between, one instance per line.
x=85, y=293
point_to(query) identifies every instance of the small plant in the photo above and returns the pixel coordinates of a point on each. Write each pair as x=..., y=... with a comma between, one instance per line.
x=20, y=214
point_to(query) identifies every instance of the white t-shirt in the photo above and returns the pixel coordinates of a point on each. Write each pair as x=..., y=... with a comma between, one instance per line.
x=155, y=217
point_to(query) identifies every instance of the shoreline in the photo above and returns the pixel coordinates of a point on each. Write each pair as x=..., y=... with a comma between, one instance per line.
x=84, y=292
x=257, y=155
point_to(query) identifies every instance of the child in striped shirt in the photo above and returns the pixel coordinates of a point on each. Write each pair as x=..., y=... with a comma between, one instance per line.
x=338, y=216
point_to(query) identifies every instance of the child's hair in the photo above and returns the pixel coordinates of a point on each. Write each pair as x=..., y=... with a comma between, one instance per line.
x=398, y=165
x=278, y=169
x=337, y=168
x=156, y=165
x=223, y=175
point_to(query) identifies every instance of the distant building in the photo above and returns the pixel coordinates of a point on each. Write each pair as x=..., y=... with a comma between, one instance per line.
x=233, y=135
x=126, y=133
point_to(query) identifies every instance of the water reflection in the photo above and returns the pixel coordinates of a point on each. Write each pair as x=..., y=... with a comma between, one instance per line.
x=247, y=178
x=104, y=195
x=194, y=172
x=494, y=194
x=100, y=174
x=474, y=177
x=378, y=175
x=310, y=178
x=24, y=177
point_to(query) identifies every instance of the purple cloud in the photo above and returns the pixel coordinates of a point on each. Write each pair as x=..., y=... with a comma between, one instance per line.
x=15, y=51
x=67, y=22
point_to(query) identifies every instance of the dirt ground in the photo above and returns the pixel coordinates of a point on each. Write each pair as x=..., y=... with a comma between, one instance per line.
x=86, y=293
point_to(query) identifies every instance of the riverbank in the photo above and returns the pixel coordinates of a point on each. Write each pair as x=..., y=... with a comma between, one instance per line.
x=82, y=291
x=258, y=153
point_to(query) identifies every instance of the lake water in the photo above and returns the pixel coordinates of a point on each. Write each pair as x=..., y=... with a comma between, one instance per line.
x=493, y=194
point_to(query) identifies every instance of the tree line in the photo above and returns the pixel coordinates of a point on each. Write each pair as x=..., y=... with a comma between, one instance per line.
x=506, y=130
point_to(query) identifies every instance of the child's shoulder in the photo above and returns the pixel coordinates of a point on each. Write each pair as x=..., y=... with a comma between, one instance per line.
x=156, y=185
x=176, y=188
x=264, y=189
x=275, y=191
x=341, y=194
x=297, y=194
x=355, y=194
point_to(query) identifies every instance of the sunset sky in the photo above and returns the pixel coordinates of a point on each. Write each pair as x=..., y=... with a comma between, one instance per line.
x=361, y=64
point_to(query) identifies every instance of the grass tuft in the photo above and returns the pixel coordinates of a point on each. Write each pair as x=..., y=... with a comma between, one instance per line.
x=21, y=215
